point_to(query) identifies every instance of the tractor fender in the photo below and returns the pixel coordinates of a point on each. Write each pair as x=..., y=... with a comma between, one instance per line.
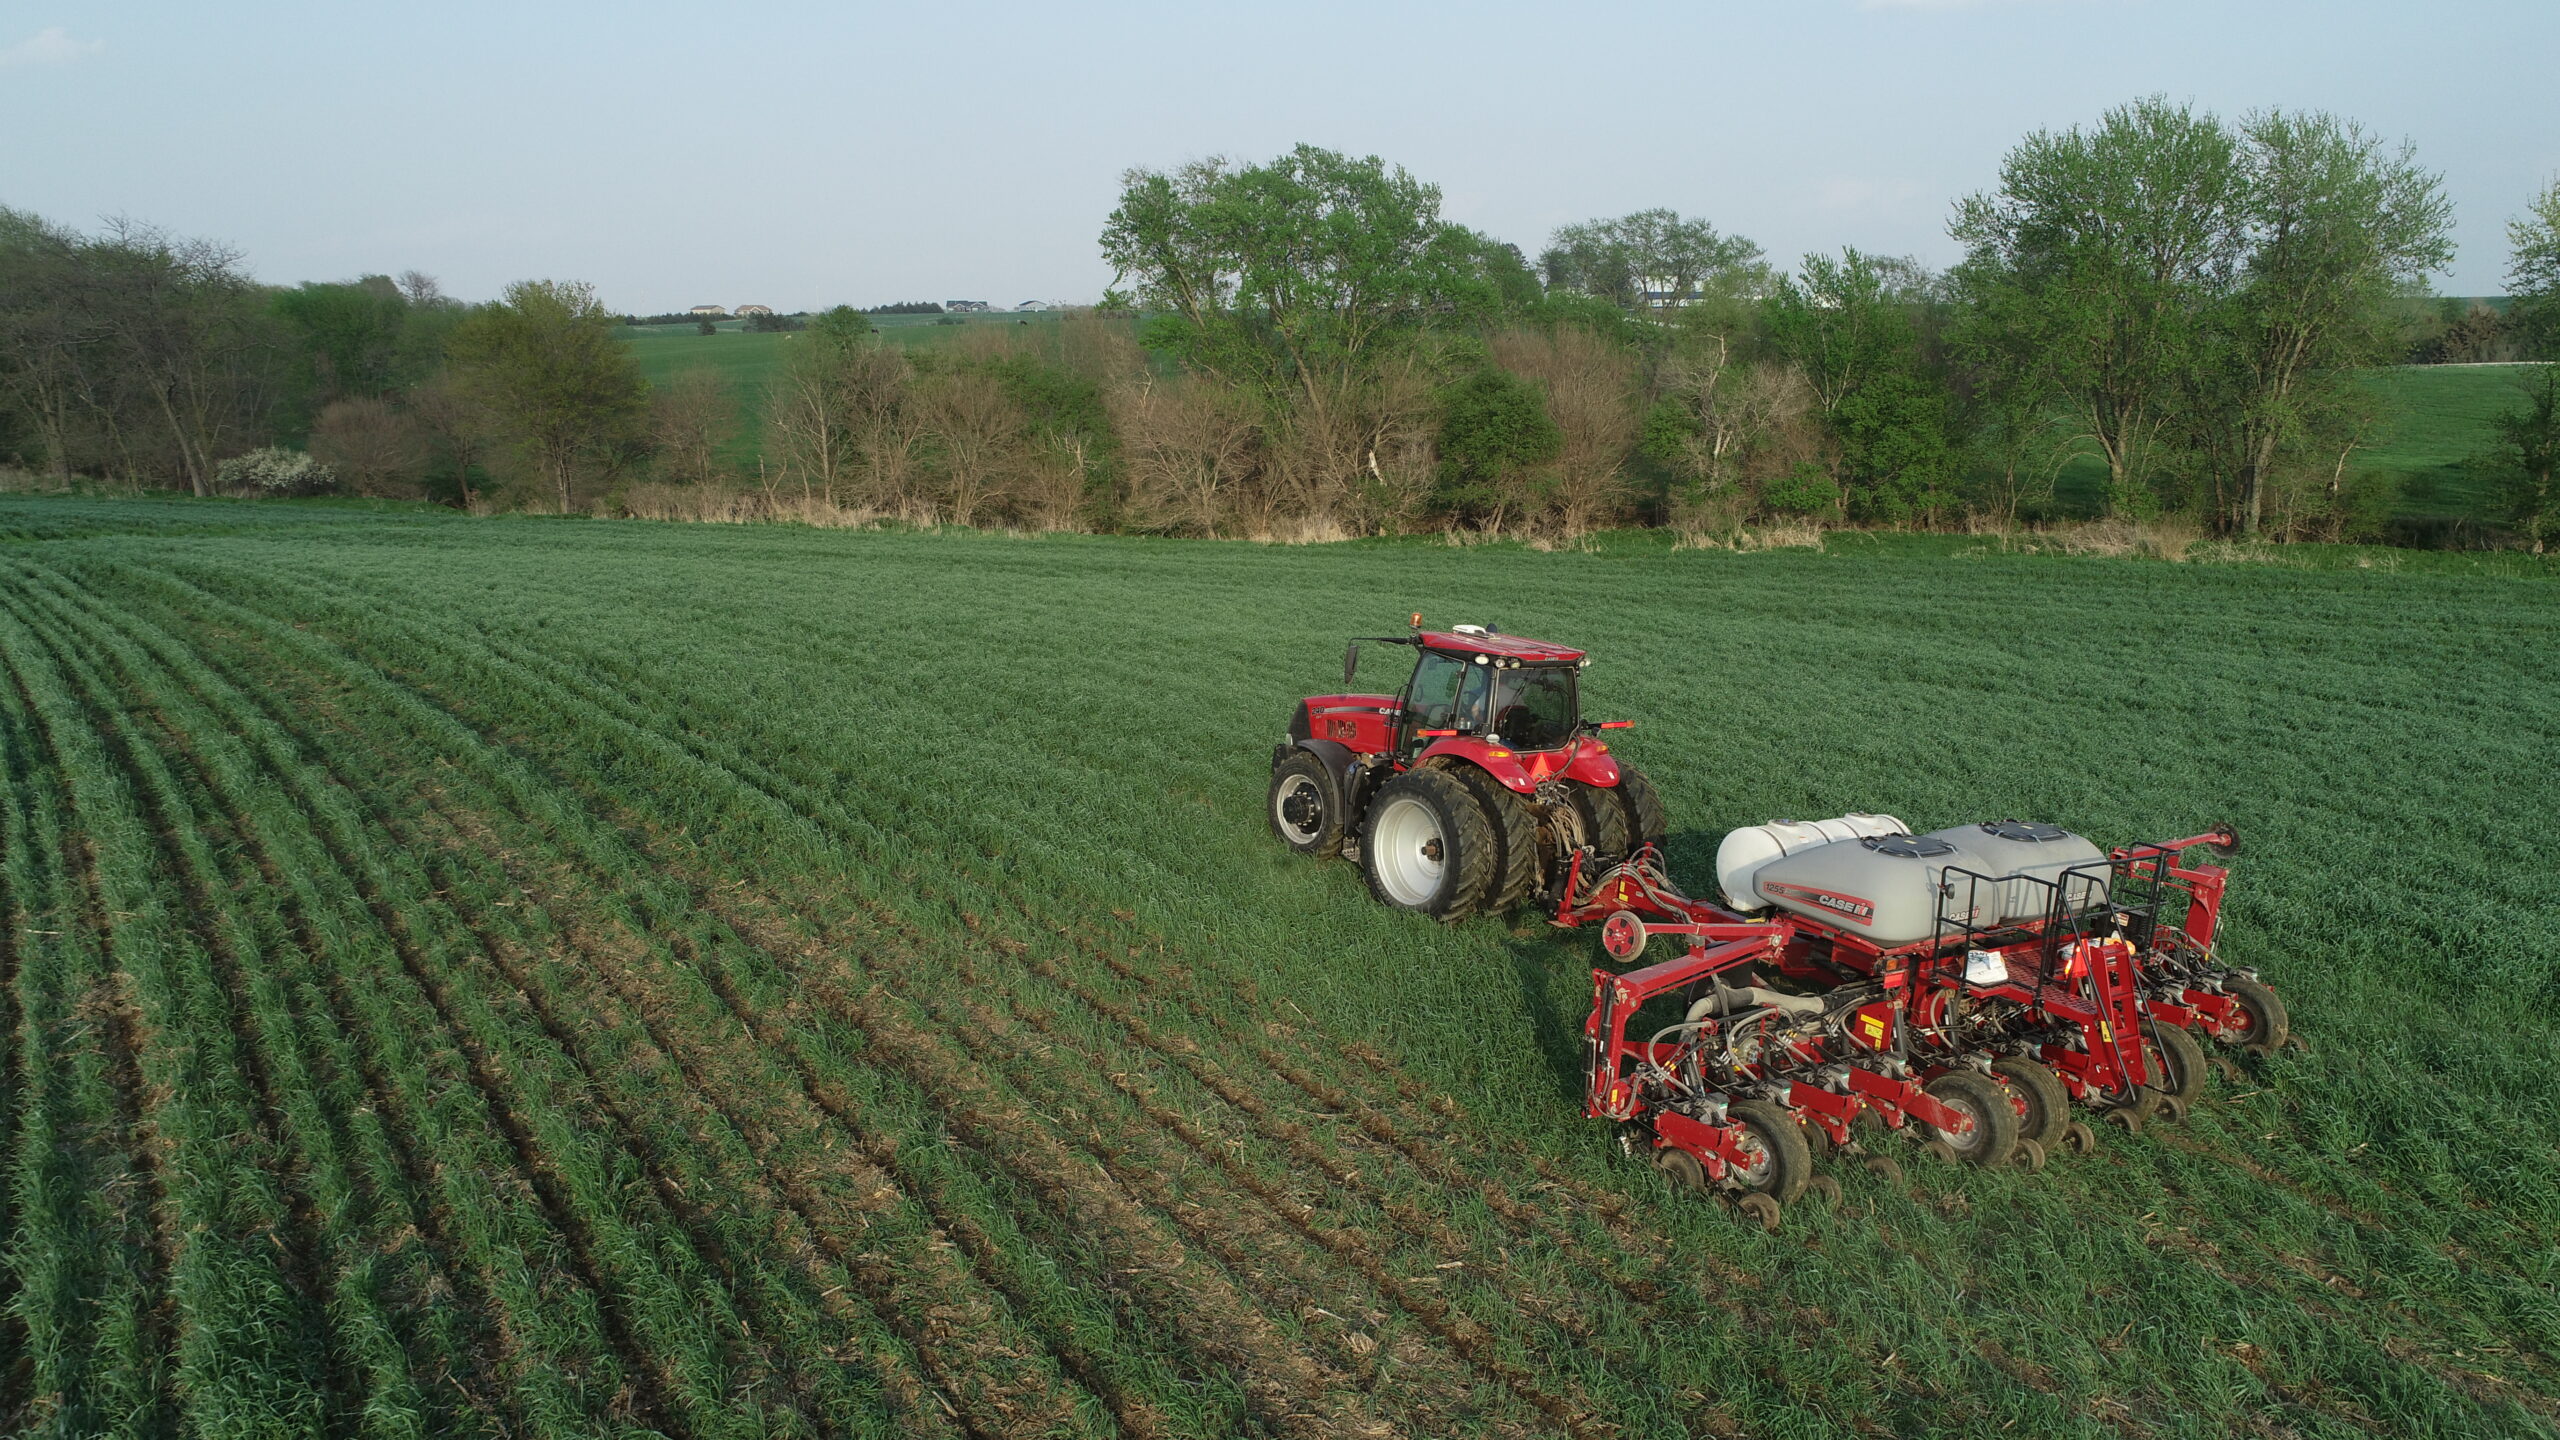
x=1337, y=757
x=1594, y=765
x=1494, y=760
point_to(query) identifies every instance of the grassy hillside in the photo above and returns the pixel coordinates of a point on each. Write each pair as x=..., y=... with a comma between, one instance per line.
x=546, y=977
x=2435, y=419
x=746, y=361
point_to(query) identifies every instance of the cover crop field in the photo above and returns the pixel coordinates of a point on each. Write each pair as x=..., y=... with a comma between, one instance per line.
x=548, y=978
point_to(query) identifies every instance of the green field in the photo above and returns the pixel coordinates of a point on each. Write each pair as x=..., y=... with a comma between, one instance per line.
x=557, y=978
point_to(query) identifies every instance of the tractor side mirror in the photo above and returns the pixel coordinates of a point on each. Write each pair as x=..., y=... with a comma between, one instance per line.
x=1350, y=661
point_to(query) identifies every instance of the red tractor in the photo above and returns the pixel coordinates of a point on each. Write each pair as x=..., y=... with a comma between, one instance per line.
x=1474, y=788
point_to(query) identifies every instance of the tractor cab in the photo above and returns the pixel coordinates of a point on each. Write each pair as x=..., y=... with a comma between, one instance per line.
x=1470, y=682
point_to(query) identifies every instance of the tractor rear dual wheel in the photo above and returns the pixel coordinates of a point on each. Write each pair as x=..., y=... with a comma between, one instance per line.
x=1647, y=821
x=1515, y=836
x=1428, y=846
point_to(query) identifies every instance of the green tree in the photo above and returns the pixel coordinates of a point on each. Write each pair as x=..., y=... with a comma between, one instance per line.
x=544, y=362
x=346, y=336
x=1849, y=326
x=2533, y=275
x=1650, y=257
x=1296, y=275
x=2530, y=441
x=2334, y=228
x=1494, y=432
x=2106, y=252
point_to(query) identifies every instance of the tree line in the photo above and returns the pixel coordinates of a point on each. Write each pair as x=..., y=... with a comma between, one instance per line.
x=1305, y=347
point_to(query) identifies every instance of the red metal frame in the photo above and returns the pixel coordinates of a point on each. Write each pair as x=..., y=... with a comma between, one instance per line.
x=2102, y=998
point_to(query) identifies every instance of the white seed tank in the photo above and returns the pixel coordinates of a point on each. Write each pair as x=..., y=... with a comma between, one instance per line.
x=1871, y=877
x=2021, y=853
x=1743, y=852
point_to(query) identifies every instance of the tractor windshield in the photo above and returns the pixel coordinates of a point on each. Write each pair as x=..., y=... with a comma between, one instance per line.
x=1534, y=708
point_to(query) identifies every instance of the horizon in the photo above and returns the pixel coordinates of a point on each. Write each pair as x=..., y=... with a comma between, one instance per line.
x=976, y=152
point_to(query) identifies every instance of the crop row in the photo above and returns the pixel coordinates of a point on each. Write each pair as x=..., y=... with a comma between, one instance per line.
x=489, y=678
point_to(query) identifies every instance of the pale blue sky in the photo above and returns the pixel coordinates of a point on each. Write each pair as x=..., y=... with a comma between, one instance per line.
x=800, y=155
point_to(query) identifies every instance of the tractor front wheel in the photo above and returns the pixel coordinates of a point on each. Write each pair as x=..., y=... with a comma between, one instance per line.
x=1427, y=846
x=1306, y=806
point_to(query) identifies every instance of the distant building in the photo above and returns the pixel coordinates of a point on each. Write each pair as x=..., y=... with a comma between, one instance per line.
x=1032, y=305
x=715, y=311
x=755, y=310
x=967, y=307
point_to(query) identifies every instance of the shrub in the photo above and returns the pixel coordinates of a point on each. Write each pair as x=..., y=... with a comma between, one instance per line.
x=273, y=472
x=1808, y=489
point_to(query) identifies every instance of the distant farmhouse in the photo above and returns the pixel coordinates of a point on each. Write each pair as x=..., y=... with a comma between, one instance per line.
x=1032, y=305
x=967, y=307
x=755, y=310
x=711, y=311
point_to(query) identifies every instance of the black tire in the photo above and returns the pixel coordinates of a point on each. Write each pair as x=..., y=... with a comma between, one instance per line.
x=1604, y=820
x=2180, y=1061
x=2268, y=1024
x=1680, y=1168
x=1784, y=1164
x=1305, y=807
x=1979, y=1098
x=1647, y=822
x=1515, y=839
x=2044, y=1100
x=1425, y=846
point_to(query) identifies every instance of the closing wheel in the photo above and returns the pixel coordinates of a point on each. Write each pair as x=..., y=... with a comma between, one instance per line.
x=2079, y=1139
x=1622, y=936
x=1680, y=1168
x=2263, y=1026
x=1988, y=1130
x=1775, y=1160
x=1427, y=847
x=2177, y=1065
x=1306, y=807
x=1823, y=1187
x=1883, y=1166
x=2124, y=1118
x=2037, y=1094
x=2029, y=1156
x=1761, y=1209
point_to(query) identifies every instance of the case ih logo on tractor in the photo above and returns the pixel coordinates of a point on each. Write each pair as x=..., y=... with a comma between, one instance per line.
x=1965, y=989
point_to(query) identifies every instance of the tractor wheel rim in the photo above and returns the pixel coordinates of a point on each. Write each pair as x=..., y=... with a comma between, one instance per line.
x=1407, y=843
x=1299, y=809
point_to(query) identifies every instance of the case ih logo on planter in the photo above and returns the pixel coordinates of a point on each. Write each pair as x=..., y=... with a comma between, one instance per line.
x=1848, y=907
